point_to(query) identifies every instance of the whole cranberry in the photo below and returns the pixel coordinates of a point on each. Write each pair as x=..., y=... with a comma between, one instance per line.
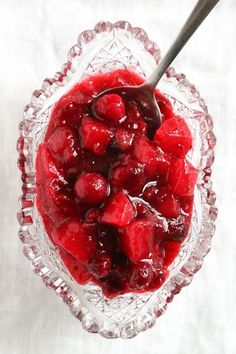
x=142, y=275
x=92, y=188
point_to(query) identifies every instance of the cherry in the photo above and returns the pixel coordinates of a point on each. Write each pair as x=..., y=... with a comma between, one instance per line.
x=174, y=137
x=110, y=107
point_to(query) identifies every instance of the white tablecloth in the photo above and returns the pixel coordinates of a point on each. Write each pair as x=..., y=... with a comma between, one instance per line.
x=35, y=36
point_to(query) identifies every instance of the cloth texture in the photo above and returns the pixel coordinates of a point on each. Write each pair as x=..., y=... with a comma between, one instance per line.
x=35, y=37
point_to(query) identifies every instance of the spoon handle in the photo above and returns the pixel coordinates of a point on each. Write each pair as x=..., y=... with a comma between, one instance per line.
x=198, y=15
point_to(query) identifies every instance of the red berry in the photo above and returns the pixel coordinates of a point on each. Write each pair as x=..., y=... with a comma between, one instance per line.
x=100, y=264
x=96, y=136
x=75, y=240
x=92, y=188
x=142, y=275
x=63, y=146
x=137, y=240
x=92, y=215
x=151, y=156
x=182, y=177
x=134, y=121
x=111, y=107
x=119, y=210
x=124, y=139
x=174, y=137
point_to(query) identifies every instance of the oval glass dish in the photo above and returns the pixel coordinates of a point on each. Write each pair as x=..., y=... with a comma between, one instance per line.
x=105, y=48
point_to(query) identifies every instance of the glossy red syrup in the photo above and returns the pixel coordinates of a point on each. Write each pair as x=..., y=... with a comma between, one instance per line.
x=117, y=204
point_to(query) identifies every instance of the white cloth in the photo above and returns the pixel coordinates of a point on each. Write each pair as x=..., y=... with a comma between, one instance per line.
x=35, y=37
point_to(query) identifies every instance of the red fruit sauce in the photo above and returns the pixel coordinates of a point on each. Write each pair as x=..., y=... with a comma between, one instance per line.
x=117, y=203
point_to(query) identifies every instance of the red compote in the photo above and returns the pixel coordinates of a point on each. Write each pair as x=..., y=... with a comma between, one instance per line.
x=115, y=199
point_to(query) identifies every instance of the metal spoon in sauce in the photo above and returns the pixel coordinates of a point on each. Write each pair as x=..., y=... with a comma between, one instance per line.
x=143, y=94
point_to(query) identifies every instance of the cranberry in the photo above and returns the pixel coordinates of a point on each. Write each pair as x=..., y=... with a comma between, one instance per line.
x=92, y=214
x=142, y=275
x=92, y=188
x=137, y=240
x=110, y=107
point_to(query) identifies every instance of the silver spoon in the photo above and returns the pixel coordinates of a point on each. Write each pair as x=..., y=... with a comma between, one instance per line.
x=144, y=94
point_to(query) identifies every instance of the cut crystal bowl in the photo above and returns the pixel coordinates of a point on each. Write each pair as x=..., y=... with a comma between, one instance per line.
x=107, y=47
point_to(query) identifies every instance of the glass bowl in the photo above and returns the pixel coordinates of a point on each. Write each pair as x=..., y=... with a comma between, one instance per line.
x=107, y=47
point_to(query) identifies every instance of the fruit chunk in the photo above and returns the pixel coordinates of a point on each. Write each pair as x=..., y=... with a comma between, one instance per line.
x=152, y=157
x=166, y=203
x=124, y=139
x=111, y=107
x=137, y=240
x=134, y=121
x=119, y=210
x=96, y=136
x=63, y=146
x=182, y=177
x=174, y=137
x=92, y=188
x=75, y=240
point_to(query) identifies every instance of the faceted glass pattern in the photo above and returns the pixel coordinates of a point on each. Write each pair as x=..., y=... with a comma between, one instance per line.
x=107, y=47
